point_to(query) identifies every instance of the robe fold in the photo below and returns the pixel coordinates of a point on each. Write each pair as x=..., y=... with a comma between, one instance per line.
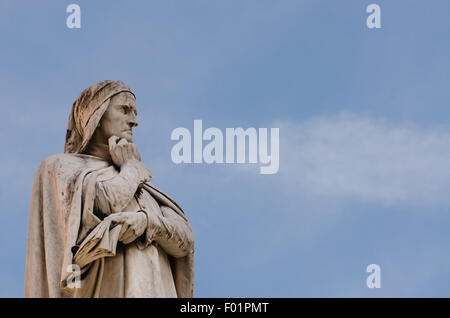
x=63, y=213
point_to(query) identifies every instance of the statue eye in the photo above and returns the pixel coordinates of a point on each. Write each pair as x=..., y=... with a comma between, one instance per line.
x=125, y=110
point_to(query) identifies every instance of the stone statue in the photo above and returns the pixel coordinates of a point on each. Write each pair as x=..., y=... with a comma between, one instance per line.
x=97, y=227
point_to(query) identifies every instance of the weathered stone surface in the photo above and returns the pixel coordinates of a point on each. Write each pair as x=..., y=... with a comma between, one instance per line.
x=93, y=209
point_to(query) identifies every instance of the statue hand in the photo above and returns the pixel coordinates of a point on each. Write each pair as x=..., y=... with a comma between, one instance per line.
x=133, y=225
x=122, y=151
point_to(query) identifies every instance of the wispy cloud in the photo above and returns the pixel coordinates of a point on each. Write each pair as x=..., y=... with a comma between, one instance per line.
x=348, y=156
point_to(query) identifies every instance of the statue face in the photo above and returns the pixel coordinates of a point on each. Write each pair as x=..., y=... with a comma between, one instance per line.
x=120, y=117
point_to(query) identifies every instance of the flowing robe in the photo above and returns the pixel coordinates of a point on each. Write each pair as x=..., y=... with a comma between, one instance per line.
x=72, y=194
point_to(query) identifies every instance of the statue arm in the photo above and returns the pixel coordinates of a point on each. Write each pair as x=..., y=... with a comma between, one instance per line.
x=170, y=231
x=115, y=194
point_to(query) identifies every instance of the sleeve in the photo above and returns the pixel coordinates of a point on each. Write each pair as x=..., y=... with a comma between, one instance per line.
x=170, y=231
x=113, y=195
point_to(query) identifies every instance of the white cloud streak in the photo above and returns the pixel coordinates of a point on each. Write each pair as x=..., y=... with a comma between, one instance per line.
x=348, y=156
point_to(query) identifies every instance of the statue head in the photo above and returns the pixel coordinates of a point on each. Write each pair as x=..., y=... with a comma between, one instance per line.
x=105, y=109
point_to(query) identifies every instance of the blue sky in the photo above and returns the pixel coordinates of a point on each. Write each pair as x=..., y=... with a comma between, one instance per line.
x=364, y=133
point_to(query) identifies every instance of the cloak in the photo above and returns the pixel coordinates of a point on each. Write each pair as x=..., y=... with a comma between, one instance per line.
x=61, y=216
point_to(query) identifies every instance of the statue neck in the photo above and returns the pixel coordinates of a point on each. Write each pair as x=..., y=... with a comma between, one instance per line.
x=98, y=150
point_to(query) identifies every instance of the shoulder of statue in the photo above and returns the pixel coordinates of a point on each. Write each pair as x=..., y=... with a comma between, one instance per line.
x=70, y=161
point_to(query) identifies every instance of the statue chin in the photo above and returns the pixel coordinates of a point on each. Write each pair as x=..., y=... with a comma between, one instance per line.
x=127, y=136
